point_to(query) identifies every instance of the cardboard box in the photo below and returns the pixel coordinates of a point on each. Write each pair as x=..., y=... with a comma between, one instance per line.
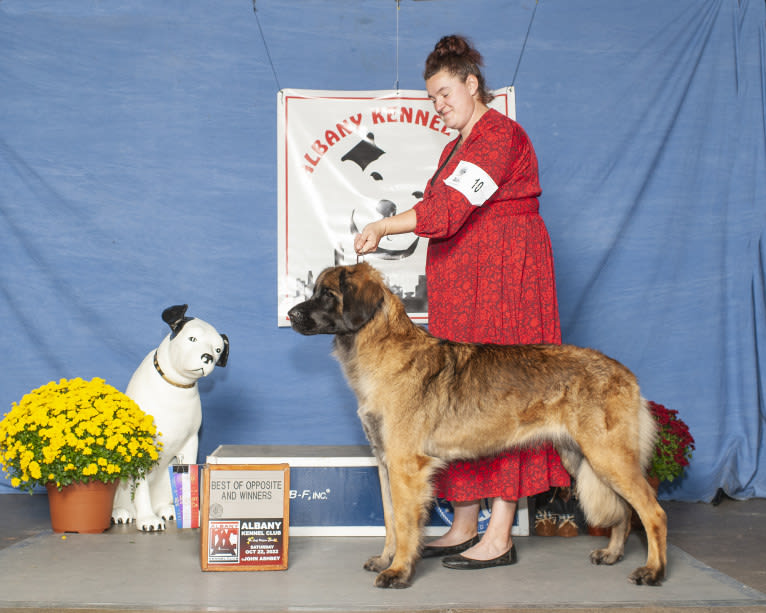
x=335, y=490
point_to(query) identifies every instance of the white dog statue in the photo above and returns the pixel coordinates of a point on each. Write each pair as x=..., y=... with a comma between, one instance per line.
x=165, y=386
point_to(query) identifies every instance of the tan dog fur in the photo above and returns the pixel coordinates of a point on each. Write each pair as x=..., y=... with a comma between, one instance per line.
x=424, y=401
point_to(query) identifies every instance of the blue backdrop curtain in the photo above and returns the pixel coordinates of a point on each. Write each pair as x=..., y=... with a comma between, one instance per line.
x=138, y=170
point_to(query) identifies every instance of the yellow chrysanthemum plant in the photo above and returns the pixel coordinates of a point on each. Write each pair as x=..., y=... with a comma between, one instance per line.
x=76, y=431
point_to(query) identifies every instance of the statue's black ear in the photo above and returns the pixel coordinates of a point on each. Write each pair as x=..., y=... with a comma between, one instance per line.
x=174, y=316
x=225, y=353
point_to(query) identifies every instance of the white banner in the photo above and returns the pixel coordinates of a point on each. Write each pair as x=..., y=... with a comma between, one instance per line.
x=344, y=160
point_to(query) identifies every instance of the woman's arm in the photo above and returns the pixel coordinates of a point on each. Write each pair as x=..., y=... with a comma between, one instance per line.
x=370, y=236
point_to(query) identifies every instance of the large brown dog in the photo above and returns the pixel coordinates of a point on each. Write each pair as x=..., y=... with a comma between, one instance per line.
x=424, y=402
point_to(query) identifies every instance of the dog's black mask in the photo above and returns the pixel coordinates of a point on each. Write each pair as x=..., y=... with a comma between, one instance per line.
x=338, y=311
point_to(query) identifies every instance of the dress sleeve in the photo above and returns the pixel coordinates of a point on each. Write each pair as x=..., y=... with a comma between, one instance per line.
x=493, y=164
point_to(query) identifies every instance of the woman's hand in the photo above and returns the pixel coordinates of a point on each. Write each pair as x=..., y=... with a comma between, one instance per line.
x=369, y=238
x=367, y=241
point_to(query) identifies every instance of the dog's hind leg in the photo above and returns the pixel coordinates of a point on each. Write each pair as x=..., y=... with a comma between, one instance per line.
x=123, y=511
x=642, y=497
x=623, y=469
x=603, y=507
x=627, y=479
x=411, y=492
x=383, y=561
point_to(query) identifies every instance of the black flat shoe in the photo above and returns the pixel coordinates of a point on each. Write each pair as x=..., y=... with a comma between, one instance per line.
x=459, y=562
x=437, y=552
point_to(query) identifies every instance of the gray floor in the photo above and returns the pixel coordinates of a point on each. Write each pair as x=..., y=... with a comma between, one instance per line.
x=717, y=562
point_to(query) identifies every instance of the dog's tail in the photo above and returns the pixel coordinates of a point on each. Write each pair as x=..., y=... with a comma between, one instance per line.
x=647, y=434
x=601, y=504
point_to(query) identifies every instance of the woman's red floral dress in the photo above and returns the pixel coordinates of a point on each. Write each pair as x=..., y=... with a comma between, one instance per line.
x=491, y=280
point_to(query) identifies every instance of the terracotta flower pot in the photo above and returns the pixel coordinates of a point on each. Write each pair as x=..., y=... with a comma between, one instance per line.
x=599, y=531
x=81, y=507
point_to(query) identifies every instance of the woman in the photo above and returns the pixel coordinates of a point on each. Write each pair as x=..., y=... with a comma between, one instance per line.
x=489, y=270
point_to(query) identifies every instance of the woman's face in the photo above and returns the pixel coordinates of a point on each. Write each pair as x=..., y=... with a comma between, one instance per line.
x=454, y=99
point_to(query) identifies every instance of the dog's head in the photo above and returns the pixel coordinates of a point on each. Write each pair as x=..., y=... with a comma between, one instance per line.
x=345, y=298
x=195, y=348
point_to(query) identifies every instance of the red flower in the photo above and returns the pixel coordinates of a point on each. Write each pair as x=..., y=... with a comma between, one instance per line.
x=674, y=444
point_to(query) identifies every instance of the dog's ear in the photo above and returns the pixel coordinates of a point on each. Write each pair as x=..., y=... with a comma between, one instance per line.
x=362, y=296
x=174, y=316
x=225, y=353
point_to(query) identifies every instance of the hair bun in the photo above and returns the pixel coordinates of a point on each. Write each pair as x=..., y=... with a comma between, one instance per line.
x=456, y=55
x=457, y=46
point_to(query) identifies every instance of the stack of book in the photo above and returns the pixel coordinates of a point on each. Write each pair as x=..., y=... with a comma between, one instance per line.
x=184, y=481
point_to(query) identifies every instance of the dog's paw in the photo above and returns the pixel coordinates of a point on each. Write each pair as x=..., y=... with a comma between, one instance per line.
x=394, y=579
x=150, y=523
x=167, y=512
x=122, y=516
x=377, y=563
x=604, y=556
x=646, y=576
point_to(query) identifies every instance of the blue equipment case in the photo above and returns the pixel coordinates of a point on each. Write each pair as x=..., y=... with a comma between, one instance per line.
x=335, y=490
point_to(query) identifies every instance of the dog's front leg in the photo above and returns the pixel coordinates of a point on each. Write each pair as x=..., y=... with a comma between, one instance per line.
x=383, y=561
x=146, y=520
x=409, y=479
